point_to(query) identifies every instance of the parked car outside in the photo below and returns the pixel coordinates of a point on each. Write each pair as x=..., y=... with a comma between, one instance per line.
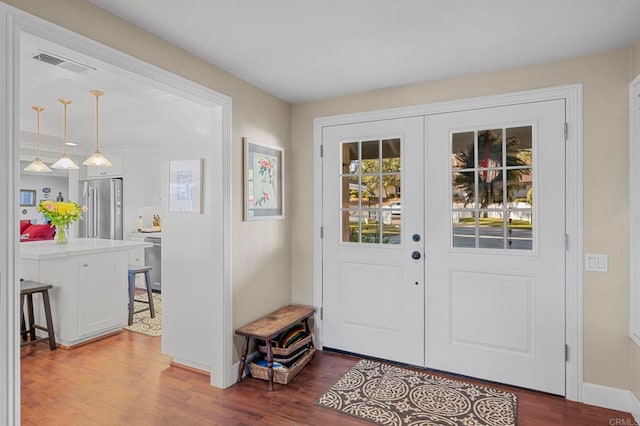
x=396, y=208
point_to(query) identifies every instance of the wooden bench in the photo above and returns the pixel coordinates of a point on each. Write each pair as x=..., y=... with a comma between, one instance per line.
x=268, y=328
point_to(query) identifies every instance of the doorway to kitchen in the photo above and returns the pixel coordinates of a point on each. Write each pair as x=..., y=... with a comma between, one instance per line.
x=196, y=125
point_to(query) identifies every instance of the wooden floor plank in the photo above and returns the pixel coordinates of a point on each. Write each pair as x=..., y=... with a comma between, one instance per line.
x=124, y=379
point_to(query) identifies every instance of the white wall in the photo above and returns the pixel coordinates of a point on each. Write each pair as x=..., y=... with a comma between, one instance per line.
x=191, y=251
x=37, y=182
x=605, y=79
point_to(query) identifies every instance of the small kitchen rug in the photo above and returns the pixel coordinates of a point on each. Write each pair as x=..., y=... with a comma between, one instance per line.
x=390, y=395
x=142, y=321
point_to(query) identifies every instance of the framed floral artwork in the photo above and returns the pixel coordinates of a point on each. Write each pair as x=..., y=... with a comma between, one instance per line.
x=263, y=181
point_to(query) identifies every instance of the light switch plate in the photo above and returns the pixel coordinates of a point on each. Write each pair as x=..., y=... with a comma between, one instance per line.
x=596, y=262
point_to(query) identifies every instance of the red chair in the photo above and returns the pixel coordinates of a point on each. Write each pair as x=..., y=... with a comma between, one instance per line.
x=38, y=232
x=24, y=224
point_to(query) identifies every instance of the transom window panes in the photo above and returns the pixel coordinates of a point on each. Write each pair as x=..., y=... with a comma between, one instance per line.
x=371, y=209
x=492, y=188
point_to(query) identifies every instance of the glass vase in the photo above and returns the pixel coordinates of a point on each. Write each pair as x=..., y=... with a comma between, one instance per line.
x=61, y=237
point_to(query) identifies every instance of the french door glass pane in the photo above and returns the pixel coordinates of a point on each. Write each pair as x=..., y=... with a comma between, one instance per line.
x=519, y=188
x=370, y=225
x=519, y=147
x=464, y=229
x=489, y=148
x=490, y=193
x=351, y=194
x=491, y=229
x=391, y=156
x=491, y=166
x=463, y=189
x=371, y=192
x=350, y=226
x=391, y=227
x=371, y=157
x=520, y=229
x=462, y=151
x=350, y=157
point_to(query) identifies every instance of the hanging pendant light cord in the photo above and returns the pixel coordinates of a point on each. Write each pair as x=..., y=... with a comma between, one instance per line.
x=37, y=165
x=38, y=130
x=97, y=94
x=97, y=124
x=64, y=162
x=64, y=142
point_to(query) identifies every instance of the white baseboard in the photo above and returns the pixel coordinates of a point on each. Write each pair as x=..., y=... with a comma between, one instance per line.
x=612, y=398
x=193, y=365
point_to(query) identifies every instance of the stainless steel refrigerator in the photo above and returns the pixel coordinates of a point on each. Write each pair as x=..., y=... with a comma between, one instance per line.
x=103, y=219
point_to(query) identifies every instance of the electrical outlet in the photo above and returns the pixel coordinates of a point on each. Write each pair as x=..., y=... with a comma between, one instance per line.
x=596, y=262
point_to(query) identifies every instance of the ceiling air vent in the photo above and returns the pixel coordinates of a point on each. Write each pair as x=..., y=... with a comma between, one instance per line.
x=61, y=62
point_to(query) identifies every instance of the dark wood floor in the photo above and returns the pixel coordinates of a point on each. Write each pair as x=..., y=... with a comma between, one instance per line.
x=124, y=379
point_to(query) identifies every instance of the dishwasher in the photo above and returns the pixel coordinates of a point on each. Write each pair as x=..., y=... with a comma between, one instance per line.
x=152, y=257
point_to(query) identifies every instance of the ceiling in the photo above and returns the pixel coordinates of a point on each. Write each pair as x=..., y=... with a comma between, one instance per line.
x=129, y=110
x=303, y=50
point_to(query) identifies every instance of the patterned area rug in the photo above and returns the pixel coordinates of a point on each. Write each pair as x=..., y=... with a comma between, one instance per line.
x=390, y=395
x=142, y=321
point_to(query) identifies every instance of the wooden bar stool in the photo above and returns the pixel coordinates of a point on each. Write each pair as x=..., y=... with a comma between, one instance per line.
x=28, y=330
x=133, y=271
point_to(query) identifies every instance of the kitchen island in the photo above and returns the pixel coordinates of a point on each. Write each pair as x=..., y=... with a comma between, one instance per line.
x=89, y=278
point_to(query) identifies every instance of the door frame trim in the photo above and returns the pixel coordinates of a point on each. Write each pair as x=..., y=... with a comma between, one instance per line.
x=634, y=212
x=14, y=21
x=572, y=94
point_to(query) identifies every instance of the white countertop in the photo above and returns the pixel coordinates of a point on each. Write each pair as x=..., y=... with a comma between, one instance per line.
x=75, y=247
x=138, y=234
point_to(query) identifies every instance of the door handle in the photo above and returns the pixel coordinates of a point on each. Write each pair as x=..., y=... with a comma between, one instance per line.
x=415, y=255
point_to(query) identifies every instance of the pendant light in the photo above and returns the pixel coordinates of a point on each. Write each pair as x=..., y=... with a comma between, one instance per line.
x=65, y=162
x=97, y=159
x=37, y=165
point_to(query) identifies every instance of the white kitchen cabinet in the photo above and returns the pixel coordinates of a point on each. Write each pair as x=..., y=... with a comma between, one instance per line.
x=100, y=299
x=136, y=257
x=116, y=170
x=89, y=278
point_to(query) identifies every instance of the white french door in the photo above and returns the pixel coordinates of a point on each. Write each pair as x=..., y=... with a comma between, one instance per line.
x=453, y=238
x=373, y=271
x=495, y=180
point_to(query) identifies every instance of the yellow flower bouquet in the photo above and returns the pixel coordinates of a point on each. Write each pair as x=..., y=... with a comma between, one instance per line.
x=61, y=214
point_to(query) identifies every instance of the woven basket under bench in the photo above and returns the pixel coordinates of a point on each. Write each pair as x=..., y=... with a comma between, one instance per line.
x=282, y=375
x=289, y=350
